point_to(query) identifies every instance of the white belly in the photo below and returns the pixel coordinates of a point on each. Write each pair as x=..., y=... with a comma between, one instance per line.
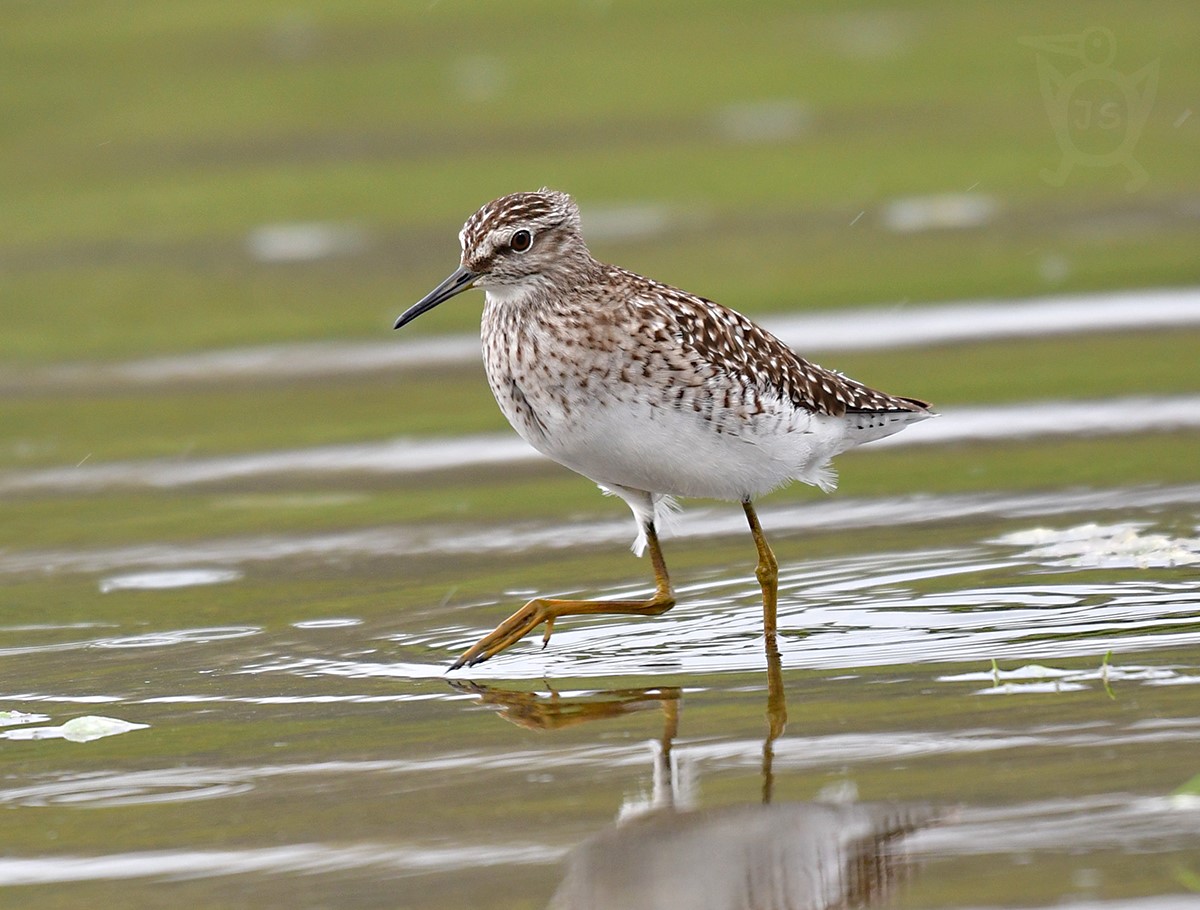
x=679, y=453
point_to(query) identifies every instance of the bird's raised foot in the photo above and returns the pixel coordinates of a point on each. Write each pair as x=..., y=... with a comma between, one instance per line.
x=547, y=610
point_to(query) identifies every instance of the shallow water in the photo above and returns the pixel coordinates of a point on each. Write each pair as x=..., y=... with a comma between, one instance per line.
x=223, y=675
x=978, y=713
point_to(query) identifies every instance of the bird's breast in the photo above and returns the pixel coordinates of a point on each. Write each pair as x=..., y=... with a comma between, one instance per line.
x=543, y=378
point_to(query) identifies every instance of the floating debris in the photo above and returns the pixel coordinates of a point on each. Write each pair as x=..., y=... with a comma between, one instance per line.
x=77, y=730
x=20, y=718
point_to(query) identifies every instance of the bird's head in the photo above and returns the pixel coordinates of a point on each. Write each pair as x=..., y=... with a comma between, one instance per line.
x=513, y=246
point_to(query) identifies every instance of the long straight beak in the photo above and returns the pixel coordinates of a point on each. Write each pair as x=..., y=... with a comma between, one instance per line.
x=461, y=280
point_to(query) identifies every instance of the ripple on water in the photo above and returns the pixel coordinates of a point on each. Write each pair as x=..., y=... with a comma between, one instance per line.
x=331, y=623
x=106, y=789
x=998, y=600
x=145, y=640
x=301, y=859
x=177, y=637
x=1106, y=821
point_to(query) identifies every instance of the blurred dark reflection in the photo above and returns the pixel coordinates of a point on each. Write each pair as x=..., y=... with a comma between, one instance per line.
x=663, y=855
x=790, y=855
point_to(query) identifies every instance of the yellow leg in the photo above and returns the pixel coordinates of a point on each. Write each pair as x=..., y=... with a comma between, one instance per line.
x=547, y=610
x=767, y=571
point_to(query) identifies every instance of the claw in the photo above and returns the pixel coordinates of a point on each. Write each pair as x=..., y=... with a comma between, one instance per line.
x=509, y=632
x=465, y=661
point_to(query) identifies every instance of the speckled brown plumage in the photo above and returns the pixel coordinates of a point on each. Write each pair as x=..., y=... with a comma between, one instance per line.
x=708, y=333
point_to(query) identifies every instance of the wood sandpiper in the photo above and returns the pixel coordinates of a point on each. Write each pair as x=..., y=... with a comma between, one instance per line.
x=649, y=391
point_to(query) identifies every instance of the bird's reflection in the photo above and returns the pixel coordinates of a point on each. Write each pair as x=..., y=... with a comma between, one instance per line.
x=789, y=855
x=664, y=855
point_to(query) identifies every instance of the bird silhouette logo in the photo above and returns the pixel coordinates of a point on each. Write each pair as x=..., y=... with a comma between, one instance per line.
x=1097, y=112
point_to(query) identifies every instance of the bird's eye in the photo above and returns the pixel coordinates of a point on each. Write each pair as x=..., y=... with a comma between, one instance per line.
x=521, y=241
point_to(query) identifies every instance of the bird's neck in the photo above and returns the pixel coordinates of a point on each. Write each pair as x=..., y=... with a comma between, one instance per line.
x=515, y=296
x=546, y=289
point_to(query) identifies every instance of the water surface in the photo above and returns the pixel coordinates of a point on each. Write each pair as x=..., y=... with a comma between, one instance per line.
x=991, y=701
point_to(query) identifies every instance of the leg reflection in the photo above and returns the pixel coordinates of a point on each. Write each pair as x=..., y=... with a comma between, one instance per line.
x=536, y=711
x=776, y=714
